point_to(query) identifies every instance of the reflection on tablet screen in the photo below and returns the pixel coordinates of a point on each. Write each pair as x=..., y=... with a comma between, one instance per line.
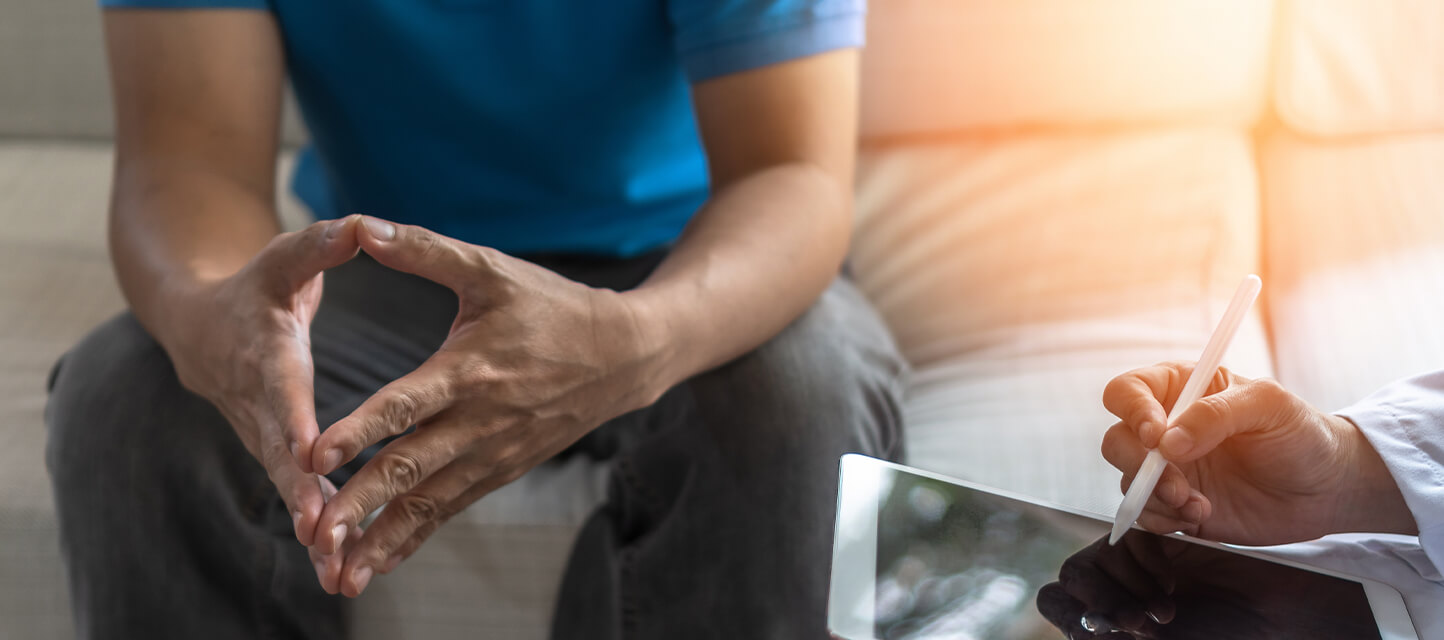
x=959, y=564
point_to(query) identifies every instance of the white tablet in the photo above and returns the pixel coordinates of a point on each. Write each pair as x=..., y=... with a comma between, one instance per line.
x=921, y=556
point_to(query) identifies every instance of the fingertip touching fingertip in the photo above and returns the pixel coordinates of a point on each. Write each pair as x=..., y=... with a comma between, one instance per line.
x=378, y=228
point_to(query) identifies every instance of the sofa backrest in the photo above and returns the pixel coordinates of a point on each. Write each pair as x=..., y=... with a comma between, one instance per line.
x=52, y=70
x=53, y=78
x=1353, y=184
x=936, y=67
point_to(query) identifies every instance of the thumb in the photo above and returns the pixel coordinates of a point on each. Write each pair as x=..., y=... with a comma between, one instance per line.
x=1253, y=407
x=418, y=251
x=292, y=259
x=290, y=396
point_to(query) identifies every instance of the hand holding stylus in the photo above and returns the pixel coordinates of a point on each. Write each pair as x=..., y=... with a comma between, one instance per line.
x=1249, y=463
x=1153, y=463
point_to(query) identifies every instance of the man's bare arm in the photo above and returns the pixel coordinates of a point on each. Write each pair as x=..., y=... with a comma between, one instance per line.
x=780, y=145
x=197, y=101
x=193, y=228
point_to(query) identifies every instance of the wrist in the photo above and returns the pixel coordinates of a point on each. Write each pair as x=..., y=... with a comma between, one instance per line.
x=1371, y=500
x=652, y=336
x=178, y=310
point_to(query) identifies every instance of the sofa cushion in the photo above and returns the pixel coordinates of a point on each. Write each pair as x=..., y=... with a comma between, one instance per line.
x=1020, y=274
x=1355, y=261
x=1352, y=67
x=933, y=67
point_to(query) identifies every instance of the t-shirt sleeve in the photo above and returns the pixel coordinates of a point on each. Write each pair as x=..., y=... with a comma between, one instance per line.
x=186, y=4
x=715, y=38
x=1405, y=423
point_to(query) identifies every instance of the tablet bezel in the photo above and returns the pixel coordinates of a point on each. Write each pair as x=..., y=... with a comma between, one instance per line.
x=851, y=603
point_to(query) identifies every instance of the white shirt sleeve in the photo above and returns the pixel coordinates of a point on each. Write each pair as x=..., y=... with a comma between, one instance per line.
x=1405, y=423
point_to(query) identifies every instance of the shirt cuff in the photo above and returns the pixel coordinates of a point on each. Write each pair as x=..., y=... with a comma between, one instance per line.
x=843, y=31
x=1399, y=421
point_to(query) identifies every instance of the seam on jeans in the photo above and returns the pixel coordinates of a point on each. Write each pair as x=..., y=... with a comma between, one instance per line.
x=630, y=608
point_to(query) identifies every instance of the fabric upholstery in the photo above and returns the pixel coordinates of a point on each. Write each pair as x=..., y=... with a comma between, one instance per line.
x=1019, y=274
x=1355, y=261
x=1349, y=67
x=937, y=67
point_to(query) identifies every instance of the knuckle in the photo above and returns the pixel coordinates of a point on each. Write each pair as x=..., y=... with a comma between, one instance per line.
x=401, y=409
x=493, y=277
x=402, y=470
x=427, y=244
x=1270, y=389
x=419, y=508
x=1219, y=382
x=1209, y=410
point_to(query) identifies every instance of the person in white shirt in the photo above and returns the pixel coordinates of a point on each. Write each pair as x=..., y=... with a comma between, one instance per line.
x=1253, y=464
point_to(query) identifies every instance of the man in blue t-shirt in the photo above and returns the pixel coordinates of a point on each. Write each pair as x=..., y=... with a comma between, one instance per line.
x=609, y=229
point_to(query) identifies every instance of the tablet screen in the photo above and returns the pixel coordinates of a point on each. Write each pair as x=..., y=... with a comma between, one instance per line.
x=959, y=563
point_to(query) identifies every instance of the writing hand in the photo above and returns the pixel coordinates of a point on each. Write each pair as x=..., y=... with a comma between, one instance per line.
x=1250, y=463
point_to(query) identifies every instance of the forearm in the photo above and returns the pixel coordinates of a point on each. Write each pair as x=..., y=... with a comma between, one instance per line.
x=752, y=260
x=197, y=110
x=174, y=229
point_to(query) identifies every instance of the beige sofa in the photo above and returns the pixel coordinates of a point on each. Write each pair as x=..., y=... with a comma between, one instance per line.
x=1049, y=193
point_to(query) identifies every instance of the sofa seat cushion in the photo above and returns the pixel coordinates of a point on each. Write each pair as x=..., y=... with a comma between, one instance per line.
x=1020, y=274
x=1355, y=261
x=1348, y=67
x=937, y=67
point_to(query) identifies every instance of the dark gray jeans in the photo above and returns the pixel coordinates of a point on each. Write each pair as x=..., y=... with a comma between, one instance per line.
x=719, y=515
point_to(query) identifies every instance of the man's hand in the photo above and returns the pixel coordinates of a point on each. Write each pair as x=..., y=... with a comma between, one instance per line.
x=532, y=363
x=1250, y=463
x=243, y=342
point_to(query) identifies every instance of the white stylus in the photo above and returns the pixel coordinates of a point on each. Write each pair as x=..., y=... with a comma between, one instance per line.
x=1154, y=464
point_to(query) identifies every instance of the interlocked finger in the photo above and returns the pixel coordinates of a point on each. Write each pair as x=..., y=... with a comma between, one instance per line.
x=300, y=491
x=396, y=470
x=408, y=401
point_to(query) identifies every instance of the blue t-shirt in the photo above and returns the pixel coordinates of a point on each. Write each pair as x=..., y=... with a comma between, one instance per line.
x=524, y=125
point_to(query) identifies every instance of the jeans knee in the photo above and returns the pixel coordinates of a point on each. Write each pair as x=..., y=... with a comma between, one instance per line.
x=831, y=382
x=99, y=392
